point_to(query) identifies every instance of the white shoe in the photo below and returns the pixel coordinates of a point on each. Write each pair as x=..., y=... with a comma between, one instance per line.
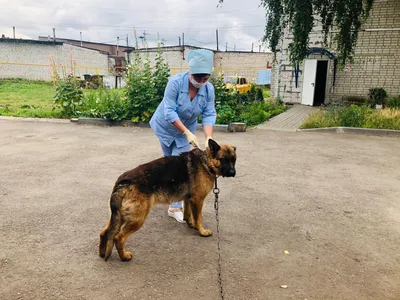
x=177, y=215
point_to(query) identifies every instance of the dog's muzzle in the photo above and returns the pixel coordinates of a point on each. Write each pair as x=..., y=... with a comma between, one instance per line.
x=229, y=173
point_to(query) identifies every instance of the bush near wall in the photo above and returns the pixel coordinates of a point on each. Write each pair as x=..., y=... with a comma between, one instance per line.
x=248, y=108
x=354, y=116
x=143, y=93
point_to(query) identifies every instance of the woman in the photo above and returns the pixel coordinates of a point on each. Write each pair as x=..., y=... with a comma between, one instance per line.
x=187, y=96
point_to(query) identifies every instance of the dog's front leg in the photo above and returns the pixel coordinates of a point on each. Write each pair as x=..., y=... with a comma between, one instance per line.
x=197, y=207
x=187, y=213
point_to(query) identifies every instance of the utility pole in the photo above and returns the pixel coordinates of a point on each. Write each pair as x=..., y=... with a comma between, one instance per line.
x=183, y=45
x=226, y=46
x=54, y=35
x=117, y=44
x=143, y=38
x=179, y=40
x=234, y=47
x=252, y=45
x=127, y=49
x=81, y=39
x=259, y=48
x=216, y=32
x=14, y=32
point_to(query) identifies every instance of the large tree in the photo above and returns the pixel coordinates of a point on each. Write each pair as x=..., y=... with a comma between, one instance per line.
x=341, y=18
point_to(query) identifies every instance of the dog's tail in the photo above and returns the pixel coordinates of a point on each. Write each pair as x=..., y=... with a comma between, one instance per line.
x=115, y=221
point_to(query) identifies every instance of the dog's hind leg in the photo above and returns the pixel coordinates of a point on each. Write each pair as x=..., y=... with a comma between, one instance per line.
x=197, y=207
x=103, y=241
x=133, y=216
x=187, y=213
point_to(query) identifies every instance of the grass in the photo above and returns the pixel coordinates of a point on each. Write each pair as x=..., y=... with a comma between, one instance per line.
x=27, y=98
x=30, y=98
x=34, y=99
x=354, y=116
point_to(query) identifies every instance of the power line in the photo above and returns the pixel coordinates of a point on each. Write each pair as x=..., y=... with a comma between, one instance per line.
x=204, y=43
x=147, y=28
x=195, y=16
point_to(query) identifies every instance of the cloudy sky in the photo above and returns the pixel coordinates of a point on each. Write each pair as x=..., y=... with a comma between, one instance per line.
x=240, y=23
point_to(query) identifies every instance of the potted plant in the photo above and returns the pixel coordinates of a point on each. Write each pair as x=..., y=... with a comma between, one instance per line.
x=376, y=97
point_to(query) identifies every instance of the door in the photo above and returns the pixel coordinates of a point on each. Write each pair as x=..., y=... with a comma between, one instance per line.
x=308, y=87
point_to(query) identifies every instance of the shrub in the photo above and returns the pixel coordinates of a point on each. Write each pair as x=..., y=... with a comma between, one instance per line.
x=249, y=108
x=107, y=104
x=69, y=95
x=259, y=95
x=161, y=74
x=354, y=116
x=393, y=102
x=384, y=119
x=318, y=120
x=224, y=101
x=145, y=86
x=259, y=112
x=350, y=116
x=376, y=96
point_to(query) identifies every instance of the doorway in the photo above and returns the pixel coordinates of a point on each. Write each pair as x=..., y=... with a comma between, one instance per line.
x=314, y=82
x=320, y=82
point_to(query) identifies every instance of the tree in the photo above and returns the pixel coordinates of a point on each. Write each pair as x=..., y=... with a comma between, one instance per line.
x=342, y=18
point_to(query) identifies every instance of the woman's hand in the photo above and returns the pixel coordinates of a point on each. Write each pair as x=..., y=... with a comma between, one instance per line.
x=191, y=138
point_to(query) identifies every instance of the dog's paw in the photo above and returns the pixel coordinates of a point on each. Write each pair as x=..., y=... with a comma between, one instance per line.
x=205, y=232
x=102, y=254
x=127, y=257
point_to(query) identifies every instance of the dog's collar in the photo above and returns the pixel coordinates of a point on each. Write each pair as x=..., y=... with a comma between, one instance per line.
x=204, y=161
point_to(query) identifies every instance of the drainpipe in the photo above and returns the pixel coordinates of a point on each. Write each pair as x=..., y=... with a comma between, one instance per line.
x=280, y=66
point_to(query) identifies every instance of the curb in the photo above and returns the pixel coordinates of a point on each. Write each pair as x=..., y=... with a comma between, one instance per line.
x=45, y=120
x=127, y=123
x=234, y=127
x=354, y=130
x=109, y=123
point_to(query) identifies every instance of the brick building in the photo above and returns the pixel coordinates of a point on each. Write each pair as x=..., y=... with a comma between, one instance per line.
x=232, y=63
x=376, y=62
x=29, y=59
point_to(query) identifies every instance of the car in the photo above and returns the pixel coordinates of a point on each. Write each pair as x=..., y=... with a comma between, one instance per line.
x=238, y=84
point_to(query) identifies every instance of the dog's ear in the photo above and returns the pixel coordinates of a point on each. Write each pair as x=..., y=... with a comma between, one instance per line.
x=214, y=147
x=234, y=148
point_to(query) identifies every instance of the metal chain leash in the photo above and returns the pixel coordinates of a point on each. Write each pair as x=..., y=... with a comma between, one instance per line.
x=216, y=192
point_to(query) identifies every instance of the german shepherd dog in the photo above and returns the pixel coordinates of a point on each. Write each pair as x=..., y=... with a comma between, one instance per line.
x=188, y=177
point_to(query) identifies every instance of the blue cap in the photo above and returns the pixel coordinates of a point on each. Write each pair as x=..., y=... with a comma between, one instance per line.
x=200, y=61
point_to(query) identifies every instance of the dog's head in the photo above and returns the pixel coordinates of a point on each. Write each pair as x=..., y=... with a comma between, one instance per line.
x=221, y=159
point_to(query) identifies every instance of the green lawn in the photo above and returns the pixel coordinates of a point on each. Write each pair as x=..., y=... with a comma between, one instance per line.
x=23, y=98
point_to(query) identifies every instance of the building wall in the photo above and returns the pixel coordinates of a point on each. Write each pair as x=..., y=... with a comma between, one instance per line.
x=376, y=62
x=246, y=64
x=30, y=60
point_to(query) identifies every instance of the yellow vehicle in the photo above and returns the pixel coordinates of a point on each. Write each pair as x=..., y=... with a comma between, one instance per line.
x=238, y=84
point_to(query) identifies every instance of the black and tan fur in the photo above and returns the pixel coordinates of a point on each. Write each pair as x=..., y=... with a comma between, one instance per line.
x=189, y=177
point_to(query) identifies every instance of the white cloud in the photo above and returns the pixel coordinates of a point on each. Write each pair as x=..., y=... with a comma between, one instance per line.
x=240, y=23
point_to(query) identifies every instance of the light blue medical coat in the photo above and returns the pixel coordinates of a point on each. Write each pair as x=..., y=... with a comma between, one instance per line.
x=176, y=105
